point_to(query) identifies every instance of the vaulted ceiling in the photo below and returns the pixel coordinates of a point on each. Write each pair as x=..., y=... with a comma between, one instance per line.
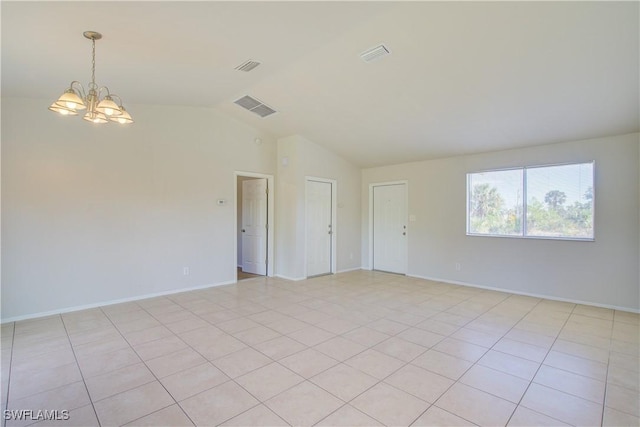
x=462, y=77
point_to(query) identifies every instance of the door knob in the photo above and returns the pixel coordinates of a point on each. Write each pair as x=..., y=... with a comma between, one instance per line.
x=243, y=230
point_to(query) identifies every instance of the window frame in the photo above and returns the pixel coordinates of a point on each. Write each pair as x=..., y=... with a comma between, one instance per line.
x=524, y=234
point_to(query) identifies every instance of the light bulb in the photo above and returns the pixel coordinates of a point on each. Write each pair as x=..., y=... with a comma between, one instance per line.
x=64, y=112
x=108, y=111
x=71, y=105
x=122, y=121
x=96, y=120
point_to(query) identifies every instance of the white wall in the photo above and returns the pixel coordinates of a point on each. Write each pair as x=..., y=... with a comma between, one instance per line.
x=305, y=158
x=93, y=214
x=603, y=272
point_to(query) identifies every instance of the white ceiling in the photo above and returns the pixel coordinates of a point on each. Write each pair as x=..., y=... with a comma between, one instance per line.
x=463, y=77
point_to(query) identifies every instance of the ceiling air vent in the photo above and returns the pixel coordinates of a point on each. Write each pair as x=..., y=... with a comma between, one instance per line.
x=247, y=66
x=375, y=53
x=254, y=106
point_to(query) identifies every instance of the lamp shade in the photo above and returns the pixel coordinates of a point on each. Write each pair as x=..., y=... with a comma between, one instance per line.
x=124, y=118
x=108, y=107
x=95, y=117
x=70, y=100
x=62, y=110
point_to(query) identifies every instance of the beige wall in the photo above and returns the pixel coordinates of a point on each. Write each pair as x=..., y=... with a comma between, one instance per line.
x=96, y=214
x=603, y=272
x=305, y=158
x=92, y=215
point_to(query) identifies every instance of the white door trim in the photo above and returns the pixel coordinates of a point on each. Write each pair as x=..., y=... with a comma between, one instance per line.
x=334, y=225
x=381, y=184
x=270, y=217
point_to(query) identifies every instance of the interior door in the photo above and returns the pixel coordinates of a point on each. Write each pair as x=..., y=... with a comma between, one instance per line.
x=390, y=228
x=254, y=226
x=319, y=227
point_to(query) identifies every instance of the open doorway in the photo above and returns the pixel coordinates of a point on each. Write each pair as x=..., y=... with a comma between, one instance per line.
x=254, y=237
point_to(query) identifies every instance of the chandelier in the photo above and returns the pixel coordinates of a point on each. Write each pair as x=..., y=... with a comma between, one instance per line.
x=99, y=103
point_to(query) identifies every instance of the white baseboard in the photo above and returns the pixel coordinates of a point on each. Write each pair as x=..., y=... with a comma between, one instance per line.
x=177, y=291
x=293, y=279
x=304, y=278
x=528, y=294
x=112, y=302
x=346, y=270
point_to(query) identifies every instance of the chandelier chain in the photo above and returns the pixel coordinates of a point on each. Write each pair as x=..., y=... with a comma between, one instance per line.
x=93, y=63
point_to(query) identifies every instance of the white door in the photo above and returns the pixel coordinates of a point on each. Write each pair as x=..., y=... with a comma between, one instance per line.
x=254, y=226
x=319, y=227
x=390, y=228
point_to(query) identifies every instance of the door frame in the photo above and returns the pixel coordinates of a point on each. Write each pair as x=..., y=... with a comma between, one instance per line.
x=406, y=201
x=334, y=227
x=270, y=218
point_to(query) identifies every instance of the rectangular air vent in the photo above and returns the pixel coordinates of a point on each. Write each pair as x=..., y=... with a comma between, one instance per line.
x=375, y=53
x=255, y=106
x=247, y=66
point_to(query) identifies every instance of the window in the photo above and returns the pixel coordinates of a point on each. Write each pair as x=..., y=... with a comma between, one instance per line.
x=495, y=203
x=554, y=202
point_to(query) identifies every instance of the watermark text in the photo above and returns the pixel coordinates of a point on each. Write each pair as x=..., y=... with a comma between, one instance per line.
x=36, y=415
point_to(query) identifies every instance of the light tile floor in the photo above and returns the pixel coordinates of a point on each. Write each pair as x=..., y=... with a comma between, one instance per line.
x=359, y=348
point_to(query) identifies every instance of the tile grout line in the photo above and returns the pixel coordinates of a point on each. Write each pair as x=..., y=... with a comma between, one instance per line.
x=274, y=361
x=13, y=339
x=326, y=303
x=123, y=367
x=286, y=367
x=476, y=362
x=408, y=326
x=431, y=348
x=406, y=363
x=492, y=349
x=230, y=379
x=606, y=378
x=445, y=337
x=175, y=402
x=277, y=361
x=84, y=382
x=540, y=366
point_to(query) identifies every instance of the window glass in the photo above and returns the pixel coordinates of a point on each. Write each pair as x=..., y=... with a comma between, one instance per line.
x=556, y=201
x=495, y=203
x=560, y=201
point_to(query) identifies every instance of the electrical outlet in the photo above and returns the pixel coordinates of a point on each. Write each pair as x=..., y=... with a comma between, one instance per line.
x=185, y=271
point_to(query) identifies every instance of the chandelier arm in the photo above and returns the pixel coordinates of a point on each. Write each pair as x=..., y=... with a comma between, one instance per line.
x=79, y=88
x=113, y=95
x=106, y=89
